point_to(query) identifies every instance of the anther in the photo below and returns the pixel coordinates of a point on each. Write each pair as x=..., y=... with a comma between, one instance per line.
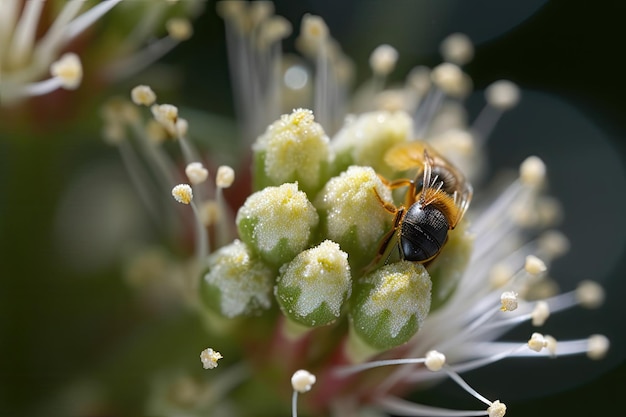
x=182, y=193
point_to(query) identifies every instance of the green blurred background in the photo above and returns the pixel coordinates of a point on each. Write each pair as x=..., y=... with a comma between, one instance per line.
x=69, y=324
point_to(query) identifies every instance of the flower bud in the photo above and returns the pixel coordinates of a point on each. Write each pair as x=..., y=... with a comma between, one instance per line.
x=352, y=215
x=389, y=305
x=277, y=222
x=236, y=283
x=312, y=288
x=365, y=140
x=292, y=149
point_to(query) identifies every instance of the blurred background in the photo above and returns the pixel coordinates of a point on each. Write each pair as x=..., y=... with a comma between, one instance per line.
x=72, y=328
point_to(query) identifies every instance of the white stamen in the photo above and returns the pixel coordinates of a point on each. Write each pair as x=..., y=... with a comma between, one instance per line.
x=434, y=360
x=209, y=358
x=182, y=127
x=537, y=342
x=502, y=95
x=196, y=173
x=534, y=265
x=532, y=171
x=457, y=48
x=553, y=243
x=500, y=274
x=551, y=345
x=69, y=70
x=590, y=294
x=302, y=381
x=540, y=313
x=497, y=409
x=225, y=176
x=597, y=346
x=143, y=95
x=383, y=59
x=508, y=299
x=182, y=193
x=451, y=80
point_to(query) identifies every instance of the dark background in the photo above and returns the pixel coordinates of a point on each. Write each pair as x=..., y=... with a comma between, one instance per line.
x=58, y=325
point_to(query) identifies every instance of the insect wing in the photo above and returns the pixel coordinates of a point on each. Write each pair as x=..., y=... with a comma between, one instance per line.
x=406, y=155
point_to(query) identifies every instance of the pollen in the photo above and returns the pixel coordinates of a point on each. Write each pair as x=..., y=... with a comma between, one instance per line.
x=69, y=70
x=496, y=409
x=349, y=197
x=321, y=275
x=508, y=300
x=182, y=193
x=209, y=358
x=294, y=148
x=143, y=95
x=196, y=173
x=302, y=381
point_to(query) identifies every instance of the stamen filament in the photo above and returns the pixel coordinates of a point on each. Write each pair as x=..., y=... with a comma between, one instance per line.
x=400, y=407
x=461, y=382
x=24, y=34
x=78, y=25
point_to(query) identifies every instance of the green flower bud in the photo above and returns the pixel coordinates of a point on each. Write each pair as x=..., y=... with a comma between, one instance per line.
x=312, y=288
x=352, y=215
x=292, y=149
x=366, y=139
x=447, y=269
x=389, y=305
x=277, y=222
x=236, y=283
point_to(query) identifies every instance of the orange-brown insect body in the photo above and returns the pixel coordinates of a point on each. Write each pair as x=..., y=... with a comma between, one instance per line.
x=435, y=202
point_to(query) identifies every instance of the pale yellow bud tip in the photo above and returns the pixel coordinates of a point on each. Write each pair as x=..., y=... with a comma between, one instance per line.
x=182, y=193
x=209, y=358
x=68, y=70
x=225, y=176
x=143, y=95
x=302, y=381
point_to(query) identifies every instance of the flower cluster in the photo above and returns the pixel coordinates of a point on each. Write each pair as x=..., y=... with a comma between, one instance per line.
x=304, y=279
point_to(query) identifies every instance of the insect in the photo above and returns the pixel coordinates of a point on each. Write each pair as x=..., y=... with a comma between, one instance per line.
x=435, y=202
